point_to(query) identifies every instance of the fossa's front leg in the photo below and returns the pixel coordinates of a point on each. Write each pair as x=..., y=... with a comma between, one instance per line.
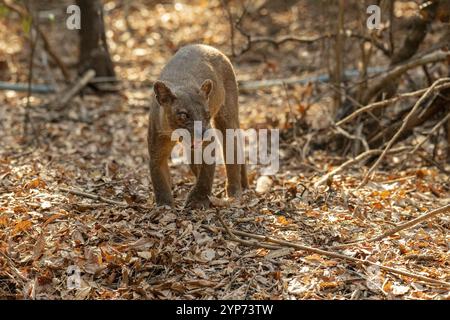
x=160, y=174
x=199, y=195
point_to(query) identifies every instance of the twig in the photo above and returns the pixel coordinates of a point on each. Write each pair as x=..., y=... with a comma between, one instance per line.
x=242, y=241
x=352, y=137
x=358, y=159
x=54, y=56
x=225, y=225
x=23, y=13
x=403, y=126
x=284, y=39
x=238, y=26
x=227, y=10
x=99, y=198
x=435, y=128
x=16, y=272
x=33, y=44
x=50, y=73
x=339, y=44
x=331, y=254
x=391, y=27
x=93, y=197
x=291, y=111
x=305, y=40
x=250, y=40
x=434, y=163
x=126, y=14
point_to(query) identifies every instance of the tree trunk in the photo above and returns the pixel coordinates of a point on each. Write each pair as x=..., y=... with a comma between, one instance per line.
x=94, y=53
x=418, y=29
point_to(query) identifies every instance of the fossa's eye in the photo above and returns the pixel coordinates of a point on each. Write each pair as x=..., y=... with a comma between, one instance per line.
x=182, y=115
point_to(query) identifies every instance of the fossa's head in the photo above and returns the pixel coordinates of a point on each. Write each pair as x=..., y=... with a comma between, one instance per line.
x=182, y=107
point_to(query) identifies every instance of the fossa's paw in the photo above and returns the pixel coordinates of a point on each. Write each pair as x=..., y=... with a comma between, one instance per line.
x=165, y=206
x=197, y=202
x=234, y=192
x=163, y=202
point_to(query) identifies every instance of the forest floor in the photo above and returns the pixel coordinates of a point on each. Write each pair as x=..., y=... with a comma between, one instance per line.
x=135, y=251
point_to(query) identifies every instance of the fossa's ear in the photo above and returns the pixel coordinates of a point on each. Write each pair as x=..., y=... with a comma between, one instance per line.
x=206, y=88
x=164, y=95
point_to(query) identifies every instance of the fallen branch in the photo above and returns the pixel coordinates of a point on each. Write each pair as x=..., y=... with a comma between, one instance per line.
x=400, y=70
x=434, y=163
x=331, y=254
x=261, y=84
x=359, y=158
x=244, y=85
x=425, y=96
x=102, y=199
x=35, y=88
x=432, y=131
x=242, y=241
x=45, y=88
x=403, y=226
x=413, y=222
x=384, y=133
x=93, y=197
x=387, y=102
x=69, y=94
x=352, y=137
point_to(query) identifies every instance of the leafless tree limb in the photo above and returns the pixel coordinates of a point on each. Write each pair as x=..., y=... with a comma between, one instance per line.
x=425, y=96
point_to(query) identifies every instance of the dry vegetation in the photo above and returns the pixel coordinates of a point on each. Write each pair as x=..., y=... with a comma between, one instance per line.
x=128, y=249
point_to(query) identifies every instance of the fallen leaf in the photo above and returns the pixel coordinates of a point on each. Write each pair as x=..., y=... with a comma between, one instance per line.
x=145, y=254
x=263, y=184
x=22, y=226
x=208, y=254
x=399, y=290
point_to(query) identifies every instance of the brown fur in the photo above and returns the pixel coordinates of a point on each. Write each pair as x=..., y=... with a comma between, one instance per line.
x=197, y=84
